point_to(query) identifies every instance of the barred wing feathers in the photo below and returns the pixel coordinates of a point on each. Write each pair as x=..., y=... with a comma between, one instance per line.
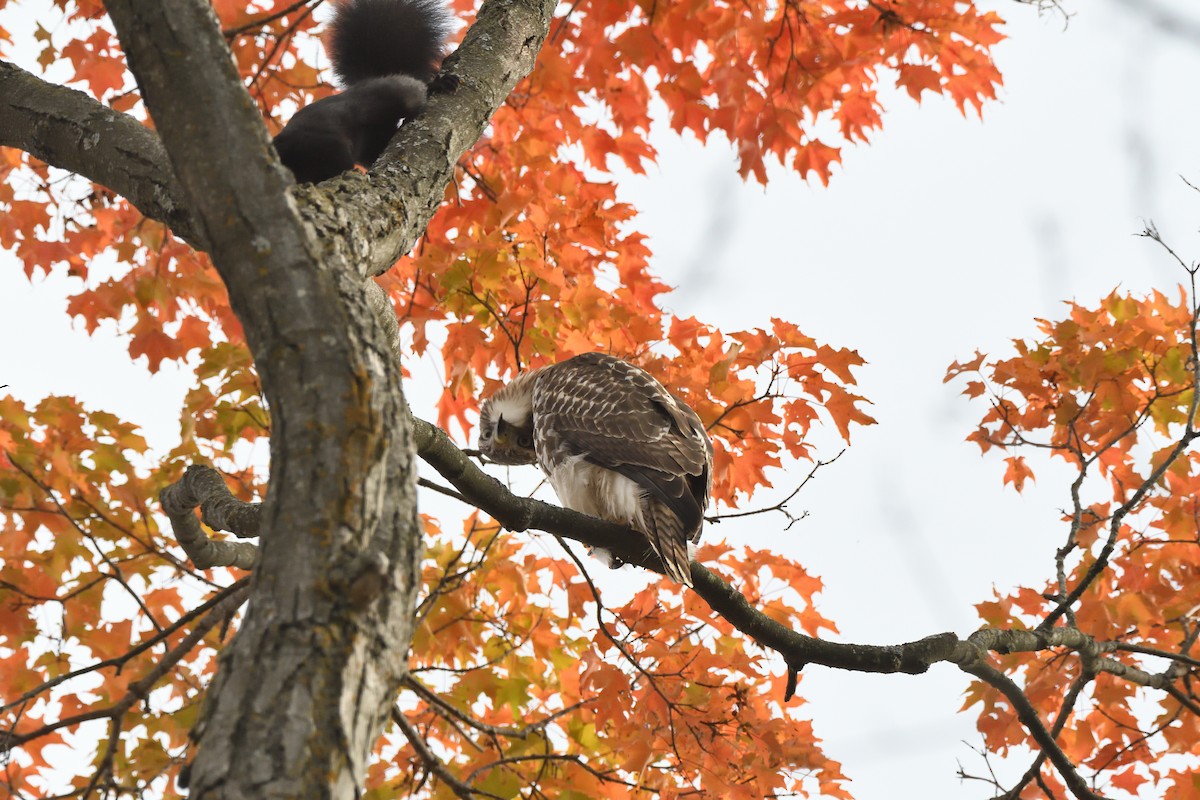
x=597, y=411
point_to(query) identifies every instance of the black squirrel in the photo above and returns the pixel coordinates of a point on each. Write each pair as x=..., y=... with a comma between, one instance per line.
x=386, y=53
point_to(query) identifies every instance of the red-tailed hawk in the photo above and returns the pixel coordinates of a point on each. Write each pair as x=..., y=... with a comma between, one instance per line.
x=615, y=445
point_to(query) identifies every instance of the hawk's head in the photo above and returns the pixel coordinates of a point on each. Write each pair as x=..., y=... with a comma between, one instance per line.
x=506, y=424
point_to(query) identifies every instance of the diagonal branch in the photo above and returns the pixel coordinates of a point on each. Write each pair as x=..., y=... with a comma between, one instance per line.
x=435, y=764
x=377, y=217
x=520, y=513
x=72, y=131
x=119, y=661
x=1033, y=723
x=445, y=708
x=140, y=689
x=1064, y=712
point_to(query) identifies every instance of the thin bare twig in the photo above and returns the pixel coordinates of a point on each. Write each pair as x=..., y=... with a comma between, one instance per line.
x=435, y=764
x=119, y=661
x=139, y=689
x=781, y=506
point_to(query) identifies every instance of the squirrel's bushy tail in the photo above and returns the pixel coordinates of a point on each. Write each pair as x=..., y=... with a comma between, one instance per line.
x=373, y=38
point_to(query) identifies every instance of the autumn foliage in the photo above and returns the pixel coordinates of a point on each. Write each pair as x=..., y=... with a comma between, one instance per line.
x=525, y=681
x=1110, y=390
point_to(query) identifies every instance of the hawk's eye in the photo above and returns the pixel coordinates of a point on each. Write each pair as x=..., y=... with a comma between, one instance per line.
x=525, y=440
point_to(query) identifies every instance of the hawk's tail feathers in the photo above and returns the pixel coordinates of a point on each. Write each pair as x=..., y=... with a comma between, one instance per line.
x=670, y=542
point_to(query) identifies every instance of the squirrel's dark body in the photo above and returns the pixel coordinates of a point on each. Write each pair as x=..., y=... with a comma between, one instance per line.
x=385, y=52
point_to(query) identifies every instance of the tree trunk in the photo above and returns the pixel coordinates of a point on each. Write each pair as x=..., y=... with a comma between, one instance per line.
x=303, y=691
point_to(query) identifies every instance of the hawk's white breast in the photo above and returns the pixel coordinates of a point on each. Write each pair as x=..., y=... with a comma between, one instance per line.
x=598, y=492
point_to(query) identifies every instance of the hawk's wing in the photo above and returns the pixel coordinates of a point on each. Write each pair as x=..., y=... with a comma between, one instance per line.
x=617, y=416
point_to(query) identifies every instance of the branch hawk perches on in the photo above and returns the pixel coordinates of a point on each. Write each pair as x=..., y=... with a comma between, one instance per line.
x=614, y=443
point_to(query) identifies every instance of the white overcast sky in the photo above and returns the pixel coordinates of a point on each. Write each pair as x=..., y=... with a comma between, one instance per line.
x=943, y=235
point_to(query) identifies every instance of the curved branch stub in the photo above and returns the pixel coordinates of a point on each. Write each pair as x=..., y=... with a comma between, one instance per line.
x=203, y=487
x=792, y=679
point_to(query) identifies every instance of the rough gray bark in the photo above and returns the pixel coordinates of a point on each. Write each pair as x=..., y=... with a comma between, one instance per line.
x=202, y=487
x=303, y=692
x=72, y=131
x=374, y=219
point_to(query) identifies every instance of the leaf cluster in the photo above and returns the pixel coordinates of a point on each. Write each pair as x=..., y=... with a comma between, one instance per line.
x=1111, y=391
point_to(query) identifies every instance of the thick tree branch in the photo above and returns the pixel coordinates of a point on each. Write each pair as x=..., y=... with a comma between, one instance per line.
x=1033, y=723
x=378, y=217
x=521, y=513
x=70, y=130
x=203, y=487
x=367, y=221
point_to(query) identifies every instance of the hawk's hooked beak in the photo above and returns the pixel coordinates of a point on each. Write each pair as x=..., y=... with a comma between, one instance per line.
x=500, y=437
